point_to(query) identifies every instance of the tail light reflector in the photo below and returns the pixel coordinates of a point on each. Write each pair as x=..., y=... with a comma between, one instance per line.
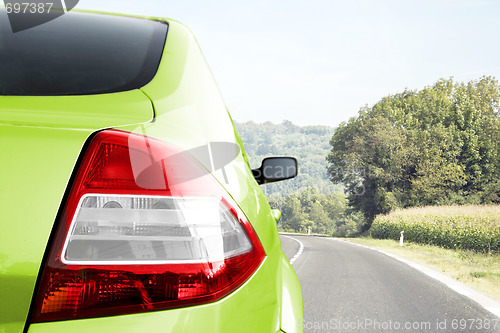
x=143, y=229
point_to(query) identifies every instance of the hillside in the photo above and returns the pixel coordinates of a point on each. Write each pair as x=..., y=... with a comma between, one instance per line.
x=309, y=144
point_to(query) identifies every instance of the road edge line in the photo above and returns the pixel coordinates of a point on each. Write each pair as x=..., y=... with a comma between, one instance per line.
x=301, y=249
x=486, y=302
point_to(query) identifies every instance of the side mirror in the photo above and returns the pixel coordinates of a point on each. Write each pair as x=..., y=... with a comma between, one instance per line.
x=274, y=169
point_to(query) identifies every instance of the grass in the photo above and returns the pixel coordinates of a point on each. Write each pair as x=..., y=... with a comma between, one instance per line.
x=480, y=271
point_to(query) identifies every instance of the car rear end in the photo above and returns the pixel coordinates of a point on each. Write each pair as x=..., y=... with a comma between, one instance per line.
x=126, y=199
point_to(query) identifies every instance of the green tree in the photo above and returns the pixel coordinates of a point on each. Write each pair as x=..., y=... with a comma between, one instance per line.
x=322, y=223
x=292, y=215
x=323, y=213
x=440, y=145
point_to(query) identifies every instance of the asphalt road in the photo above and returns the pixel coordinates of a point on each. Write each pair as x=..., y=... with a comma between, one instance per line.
x=347, y=288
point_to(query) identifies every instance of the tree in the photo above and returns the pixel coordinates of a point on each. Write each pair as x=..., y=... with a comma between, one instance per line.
x=324, y=214
x=440, y=145
x=292, y=215
x=322, y=222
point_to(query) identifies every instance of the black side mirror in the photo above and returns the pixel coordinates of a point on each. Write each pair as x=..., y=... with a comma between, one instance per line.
x=275, y=169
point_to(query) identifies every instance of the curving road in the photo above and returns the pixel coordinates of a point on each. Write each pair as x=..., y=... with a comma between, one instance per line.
x=348, y=288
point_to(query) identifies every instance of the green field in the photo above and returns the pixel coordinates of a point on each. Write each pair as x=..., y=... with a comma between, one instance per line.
x=469, y=227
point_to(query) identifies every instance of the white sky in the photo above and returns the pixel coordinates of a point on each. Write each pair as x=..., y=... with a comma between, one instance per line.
x=316, y=62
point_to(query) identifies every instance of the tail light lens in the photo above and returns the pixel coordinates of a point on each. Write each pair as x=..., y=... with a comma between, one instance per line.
x=143, y=230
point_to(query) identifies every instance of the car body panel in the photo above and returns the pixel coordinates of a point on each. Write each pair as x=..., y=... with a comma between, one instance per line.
x=80, y=112
x=36, y=166
x=42, y=147
x=291, y=313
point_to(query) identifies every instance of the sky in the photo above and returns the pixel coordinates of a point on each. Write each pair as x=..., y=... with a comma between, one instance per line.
x=317, y=62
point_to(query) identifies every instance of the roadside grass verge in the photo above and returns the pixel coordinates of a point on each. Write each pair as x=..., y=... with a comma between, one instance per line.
x=480, y=271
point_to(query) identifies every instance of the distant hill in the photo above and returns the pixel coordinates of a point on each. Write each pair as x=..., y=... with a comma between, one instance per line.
x=309, y=144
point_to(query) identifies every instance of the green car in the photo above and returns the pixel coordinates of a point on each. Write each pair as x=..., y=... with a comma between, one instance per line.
x=127, y=203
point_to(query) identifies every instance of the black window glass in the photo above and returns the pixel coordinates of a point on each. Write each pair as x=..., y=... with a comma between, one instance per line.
x=80, y=53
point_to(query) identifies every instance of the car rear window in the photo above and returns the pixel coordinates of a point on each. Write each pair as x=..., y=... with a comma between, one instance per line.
x=79, y=54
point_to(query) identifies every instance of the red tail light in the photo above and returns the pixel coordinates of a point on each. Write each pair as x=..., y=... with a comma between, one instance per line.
x=143, y=230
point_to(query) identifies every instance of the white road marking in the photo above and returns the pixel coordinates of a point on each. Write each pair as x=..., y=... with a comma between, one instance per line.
x=65, y=8
x=301, y=249
x=486, y=302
